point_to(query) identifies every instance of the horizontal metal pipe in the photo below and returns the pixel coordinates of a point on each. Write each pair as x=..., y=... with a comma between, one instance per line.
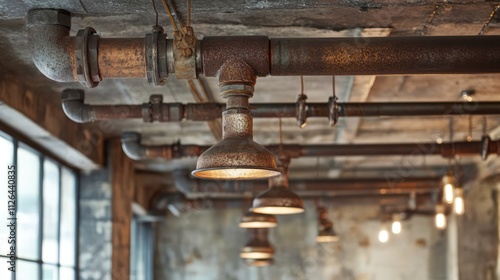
x=174, y=112
x=385, y=55
x=446, y=150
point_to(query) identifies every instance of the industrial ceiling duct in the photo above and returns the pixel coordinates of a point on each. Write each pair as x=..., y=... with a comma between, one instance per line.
x=237, y=156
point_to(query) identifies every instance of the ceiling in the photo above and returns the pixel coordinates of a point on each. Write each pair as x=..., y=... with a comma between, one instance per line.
x=328, y=18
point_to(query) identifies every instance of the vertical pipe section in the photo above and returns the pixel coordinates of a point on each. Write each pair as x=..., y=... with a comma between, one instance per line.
x=385, y=55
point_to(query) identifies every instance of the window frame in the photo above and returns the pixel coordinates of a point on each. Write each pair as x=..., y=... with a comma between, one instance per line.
x=60, y=165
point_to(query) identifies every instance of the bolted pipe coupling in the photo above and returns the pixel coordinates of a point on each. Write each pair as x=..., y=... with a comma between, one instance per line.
x=156, y=57
x=87, y=67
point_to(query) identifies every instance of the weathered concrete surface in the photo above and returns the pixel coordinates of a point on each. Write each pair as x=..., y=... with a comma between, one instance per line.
x=205, y=245
x=478, y=232
x=95, y=226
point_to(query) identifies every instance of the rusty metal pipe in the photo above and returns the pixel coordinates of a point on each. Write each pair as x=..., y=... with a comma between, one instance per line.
x=385, y=55
x=121, y=58
x=173, y=112
x=50, y=44
x=446, y=150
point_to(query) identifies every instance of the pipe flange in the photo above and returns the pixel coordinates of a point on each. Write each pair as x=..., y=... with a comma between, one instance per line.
x=485, y=146
x=301, y=110
x=84, y=63
x=333, y=111
x=156, y=103
x=156, y=57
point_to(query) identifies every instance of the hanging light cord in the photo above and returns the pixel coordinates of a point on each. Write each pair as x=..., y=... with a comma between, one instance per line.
x=156, y=12
x=485, y=126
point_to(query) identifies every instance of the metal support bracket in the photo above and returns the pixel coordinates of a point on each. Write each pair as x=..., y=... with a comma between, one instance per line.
x=301, y=110
x=87, y=68
x=185, y=54
x=485, y=146
x=333, y=111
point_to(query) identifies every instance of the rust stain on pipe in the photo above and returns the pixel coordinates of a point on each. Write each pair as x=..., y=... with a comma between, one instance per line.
x=254, y=50
x=385, y=56
x=122, y=58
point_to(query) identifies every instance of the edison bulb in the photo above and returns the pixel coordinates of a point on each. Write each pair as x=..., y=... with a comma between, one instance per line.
x=448, y=193
x=440, y=218
x=396, y=227
x=383, y=235
x=459, y=203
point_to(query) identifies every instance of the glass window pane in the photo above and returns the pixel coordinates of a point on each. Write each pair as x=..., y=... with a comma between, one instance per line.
x=26, y=270
x=49, y=272
x=28, y=214
x=6, y=159
x=67, y=273
x=68, y=219
x=50, y=245
x=4, y=272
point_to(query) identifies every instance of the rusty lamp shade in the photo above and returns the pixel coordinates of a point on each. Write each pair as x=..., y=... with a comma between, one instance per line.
x=277, y=200
x=257, y=249
x=256, y=220
x=259, y=262
x=236, y=159
x=237, y=156
x=327, y=235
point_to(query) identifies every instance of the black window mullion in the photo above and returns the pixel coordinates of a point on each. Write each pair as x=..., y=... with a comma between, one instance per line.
x=14, y=162
x=59, y=224
x=77, y=223
x=40, y=218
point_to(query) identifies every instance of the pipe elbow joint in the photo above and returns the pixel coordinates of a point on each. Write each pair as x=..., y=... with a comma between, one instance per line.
x=50, y=43
x=73, y=106
x=132, y=147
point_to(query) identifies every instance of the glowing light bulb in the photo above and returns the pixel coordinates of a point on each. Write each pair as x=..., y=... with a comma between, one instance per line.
x=440, y=219
x=448, y=189
x=396, y=227
x=383, y=235
x=459, y=203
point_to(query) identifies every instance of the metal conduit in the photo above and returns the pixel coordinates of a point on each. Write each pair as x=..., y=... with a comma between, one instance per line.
x=87, y=58
x=156, y=110
x=131, y=144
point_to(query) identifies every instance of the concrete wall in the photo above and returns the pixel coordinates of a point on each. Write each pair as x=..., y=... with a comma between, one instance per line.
x=205, y=245
x=478, y=232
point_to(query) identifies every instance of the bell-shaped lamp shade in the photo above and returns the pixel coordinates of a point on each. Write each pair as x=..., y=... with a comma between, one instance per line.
x=328, y=235
x=256, y=220
x=278, y=200
x=259, y=262
x=257, y=249
x=237, y=156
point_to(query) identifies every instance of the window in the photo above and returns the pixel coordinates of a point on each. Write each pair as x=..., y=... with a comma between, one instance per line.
x=46, y=232
x=141, y=257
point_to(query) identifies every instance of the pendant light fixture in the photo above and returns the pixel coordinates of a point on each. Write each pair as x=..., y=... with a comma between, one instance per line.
x=459, y=203
x=256, y=220
x=440, y=218
x=237, y=156
x=396, y=226
x=258, y=247
x=326, y=232
x=448, y=187
x=278, y=199
x=383, y=234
